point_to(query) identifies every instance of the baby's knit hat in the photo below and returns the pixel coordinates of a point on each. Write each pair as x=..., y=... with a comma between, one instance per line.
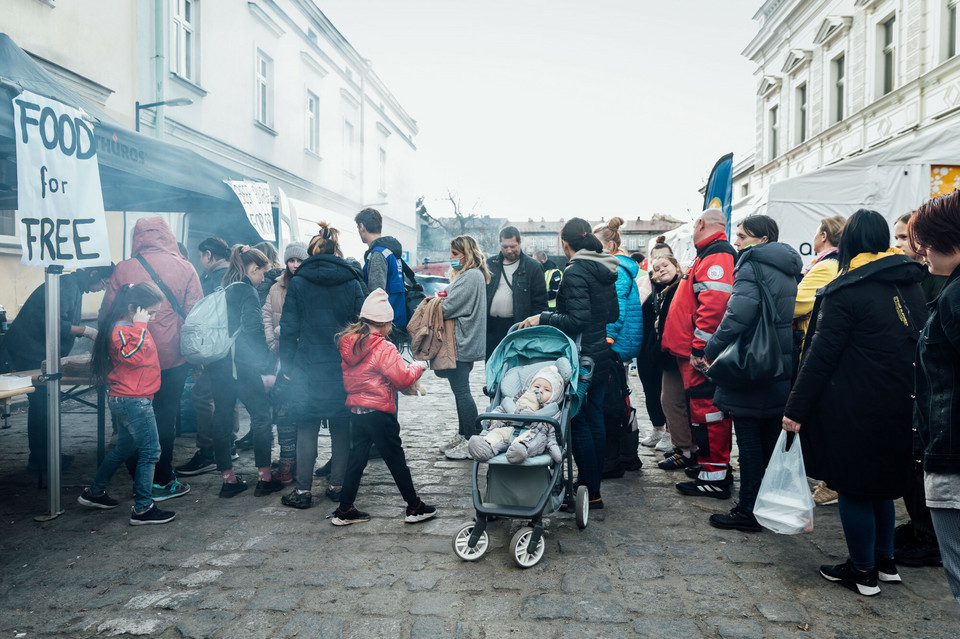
x=376, y=307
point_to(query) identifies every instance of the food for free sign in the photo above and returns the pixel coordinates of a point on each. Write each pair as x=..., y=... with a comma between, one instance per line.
x=60, y=214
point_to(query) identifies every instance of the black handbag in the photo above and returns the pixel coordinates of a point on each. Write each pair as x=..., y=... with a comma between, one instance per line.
x=753, y=356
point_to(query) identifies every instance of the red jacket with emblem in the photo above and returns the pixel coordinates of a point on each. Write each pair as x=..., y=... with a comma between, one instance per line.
x=136, y=367
x=374, y=372
x=701, y=298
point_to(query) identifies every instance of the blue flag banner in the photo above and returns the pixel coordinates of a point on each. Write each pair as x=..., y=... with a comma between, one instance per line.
x=719, y=193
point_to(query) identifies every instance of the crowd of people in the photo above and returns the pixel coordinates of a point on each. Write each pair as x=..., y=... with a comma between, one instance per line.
x=865, y=338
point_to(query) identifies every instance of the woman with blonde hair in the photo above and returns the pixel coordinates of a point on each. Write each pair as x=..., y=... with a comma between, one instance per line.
x=466, y=304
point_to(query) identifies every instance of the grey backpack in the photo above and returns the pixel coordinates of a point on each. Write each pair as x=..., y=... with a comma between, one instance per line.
x=205, y=336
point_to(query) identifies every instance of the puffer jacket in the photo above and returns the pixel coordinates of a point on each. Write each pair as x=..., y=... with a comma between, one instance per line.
x=627, y=331
x=243, y=314
x=374, y=372
x=586, y=303
x=780, y=267
x=272, y=308
x=154, y=241
x=936, y=415
x=323, y=297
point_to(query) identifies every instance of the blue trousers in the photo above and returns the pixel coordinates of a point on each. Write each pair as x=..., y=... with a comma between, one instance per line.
x=136, y=433
x=589, y=437
x=868, y=526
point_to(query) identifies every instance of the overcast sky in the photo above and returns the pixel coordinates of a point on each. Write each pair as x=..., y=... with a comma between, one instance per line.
x=561, y=108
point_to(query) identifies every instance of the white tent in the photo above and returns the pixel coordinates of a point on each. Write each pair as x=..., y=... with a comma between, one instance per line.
x=892, y=180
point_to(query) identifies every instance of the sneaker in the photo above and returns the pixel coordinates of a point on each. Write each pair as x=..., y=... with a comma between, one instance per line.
x=229, y=490
x=673, y=451
x=596, y=502
x=664, y=445
x=200, y=463
x=420, y=512
x=234, y=455
x=265, y=488
x=702, y=488
x=245, y=442
x=823, y=496
x=918, y=553
x=333, y=493
x=170, y=490
x=453, y=443
x=151, y=515
x=352, y=516
x=736, y=519
x=459, y=451
x=887, y=571
x=613, y=473
x=324, y=470
x=103, y=500
x=285, y=471
x=847, y=576
x=903, y=535
x=633, y=465
x=693, y=471
x=653, y=438
x=677, y=462
x=297, y=499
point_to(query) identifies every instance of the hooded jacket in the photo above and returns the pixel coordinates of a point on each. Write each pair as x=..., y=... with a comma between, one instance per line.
x=373, y=373
x=852, y=396
x=586, y=303
x=323, y=297
x=272, y=308
x=780, y=266
x=213, y=279
x=627, y=331
x=154, y=241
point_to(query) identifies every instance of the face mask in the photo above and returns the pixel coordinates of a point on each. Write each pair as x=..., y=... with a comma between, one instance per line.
x=456, y=265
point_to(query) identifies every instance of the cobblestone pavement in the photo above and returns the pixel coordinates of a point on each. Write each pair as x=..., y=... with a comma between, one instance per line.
x=648, y=565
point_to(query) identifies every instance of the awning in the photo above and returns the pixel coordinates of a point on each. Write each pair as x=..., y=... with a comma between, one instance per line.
x=137, y=172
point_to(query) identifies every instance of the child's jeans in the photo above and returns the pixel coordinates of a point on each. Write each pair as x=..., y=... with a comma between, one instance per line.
x=136, y=433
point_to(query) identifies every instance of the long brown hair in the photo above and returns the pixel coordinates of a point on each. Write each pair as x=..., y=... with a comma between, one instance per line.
x=363, y=328
x=241, y=256
x=326, y=242
x=473, y=256
x=144, y=295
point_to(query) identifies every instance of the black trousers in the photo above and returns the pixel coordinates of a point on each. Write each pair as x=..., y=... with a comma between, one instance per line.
x=497, y=328
x=381, y=429
x=248, y=388
x=166, y=408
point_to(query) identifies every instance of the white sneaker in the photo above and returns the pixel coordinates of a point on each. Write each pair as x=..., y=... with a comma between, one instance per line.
x=653, y=438
x=453, y=443
x=458, y=452
x=665, y=445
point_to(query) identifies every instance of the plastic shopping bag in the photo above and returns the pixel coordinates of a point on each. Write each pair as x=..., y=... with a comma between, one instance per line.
x=784, y=503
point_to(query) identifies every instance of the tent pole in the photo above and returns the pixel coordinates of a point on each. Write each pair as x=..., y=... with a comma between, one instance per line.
x=52, y=377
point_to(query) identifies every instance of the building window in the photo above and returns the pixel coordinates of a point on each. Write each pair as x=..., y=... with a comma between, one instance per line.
x=183, y=39
x=313, y=123
x=633, y=243
x=349, y=148
x=8, y=223
x=382, y=159
x=838, y=78
x=264, y=84
x=887, y=55
x=745, y=190
x=774, y=131
x=951, y=28
x=801, y=114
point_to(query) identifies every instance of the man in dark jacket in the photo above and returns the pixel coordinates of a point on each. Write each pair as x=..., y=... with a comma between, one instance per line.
x=26, y=342
x=516, y=289
x=383, y=262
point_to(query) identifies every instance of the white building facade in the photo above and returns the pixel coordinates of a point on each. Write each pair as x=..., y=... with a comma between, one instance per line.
x=837, y=78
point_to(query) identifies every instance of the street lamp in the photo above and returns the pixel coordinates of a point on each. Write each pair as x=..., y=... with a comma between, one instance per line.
x=173, y=102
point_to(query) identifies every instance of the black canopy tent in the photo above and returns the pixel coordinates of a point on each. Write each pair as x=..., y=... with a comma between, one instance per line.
x=137, y=173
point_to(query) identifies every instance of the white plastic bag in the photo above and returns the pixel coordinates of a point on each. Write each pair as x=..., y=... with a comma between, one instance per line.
x=784, y=503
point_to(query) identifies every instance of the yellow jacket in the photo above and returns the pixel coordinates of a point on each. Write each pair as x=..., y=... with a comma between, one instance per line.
x=822, y=273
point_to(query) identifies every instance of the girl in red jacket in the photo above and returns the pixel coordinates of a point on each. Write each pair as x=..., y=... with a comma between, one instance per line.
x=125, y=361
x=373, y=371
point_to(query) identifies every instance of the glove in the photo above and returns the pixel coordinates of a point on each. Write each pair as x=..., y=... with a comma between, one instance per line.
x=90, y=333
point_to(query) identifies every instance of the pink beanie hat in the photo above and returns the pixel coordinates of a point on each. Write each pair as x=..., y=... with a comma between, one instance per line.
x=376, y=307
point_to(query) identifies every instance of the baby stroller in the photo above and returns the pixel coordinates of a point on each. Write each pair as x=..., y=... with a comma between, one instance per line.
x=537, y=486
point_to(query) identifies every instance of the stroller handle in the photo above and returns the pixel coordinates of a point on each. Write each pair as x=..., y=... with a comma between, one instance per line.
x=523, y=419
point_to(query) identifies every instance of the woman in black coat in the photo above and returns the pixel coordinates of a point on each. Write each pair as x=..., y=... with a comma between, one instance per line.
x=853, y=394
x=757, y=409
x=586, y=303
x=324, y=296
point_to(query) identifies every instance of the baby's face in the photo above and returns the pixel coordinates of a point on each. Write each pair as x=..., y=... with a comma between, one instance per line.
x=546, y=390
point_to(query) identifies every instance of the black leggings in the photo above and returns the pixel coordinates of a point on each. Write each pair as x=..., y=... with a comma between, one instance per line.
x=381, y=429
x=248, y=388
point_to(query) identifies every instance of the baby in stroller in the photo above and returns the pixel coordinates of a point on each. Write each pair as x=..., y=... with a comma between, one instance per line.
x=541, y=394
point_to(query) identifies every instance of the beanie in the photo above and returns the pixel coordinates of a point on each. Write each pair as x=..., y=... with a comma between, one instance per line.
x=296, y=250
x=376, y=307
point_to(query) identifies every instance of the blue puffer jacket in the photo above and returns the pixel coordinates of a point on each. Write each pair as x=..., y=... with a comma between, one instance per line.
x=627, y=331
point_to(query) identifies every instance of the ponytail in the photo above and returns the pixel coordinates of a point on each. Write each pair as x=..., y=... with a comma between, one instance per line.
x=241, y=256
x=576, y=233
x=326, y=242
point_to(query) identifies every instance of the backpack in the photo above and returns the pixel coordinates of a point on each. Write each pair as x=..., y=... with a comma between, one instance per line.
x=205, y=336
x=412, y=290
x=618, y=413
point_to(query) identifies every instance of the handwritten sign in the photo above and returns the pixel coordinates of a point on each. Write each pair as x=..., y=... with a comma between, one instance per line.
x=59, y=204
x=255, y=198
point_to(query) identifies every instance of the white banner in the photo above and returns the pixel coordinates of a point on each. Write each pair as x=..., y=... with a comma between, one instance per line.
x=255, y=198
x=59, y=204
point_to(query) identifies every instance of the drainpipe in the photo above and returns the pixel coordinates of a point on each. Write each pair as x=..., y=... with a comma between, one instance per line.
x=158, y=60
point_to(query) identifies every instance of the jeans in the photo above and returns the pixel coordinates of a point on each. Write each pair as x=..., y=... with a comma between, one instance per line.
x=307, y=451
x=459, y=379
x=589, y=438
x=166, y=406
x=248, y=388
x=381, y=429
x=136, y=434
x=946, y=521
x=756, y=439
x=868, y=527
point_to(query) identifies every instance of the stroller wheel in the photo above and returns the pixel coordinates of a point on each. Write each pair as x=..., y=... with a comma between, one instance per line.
x=461, y=543
x=519, y=544
x=582, y=507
